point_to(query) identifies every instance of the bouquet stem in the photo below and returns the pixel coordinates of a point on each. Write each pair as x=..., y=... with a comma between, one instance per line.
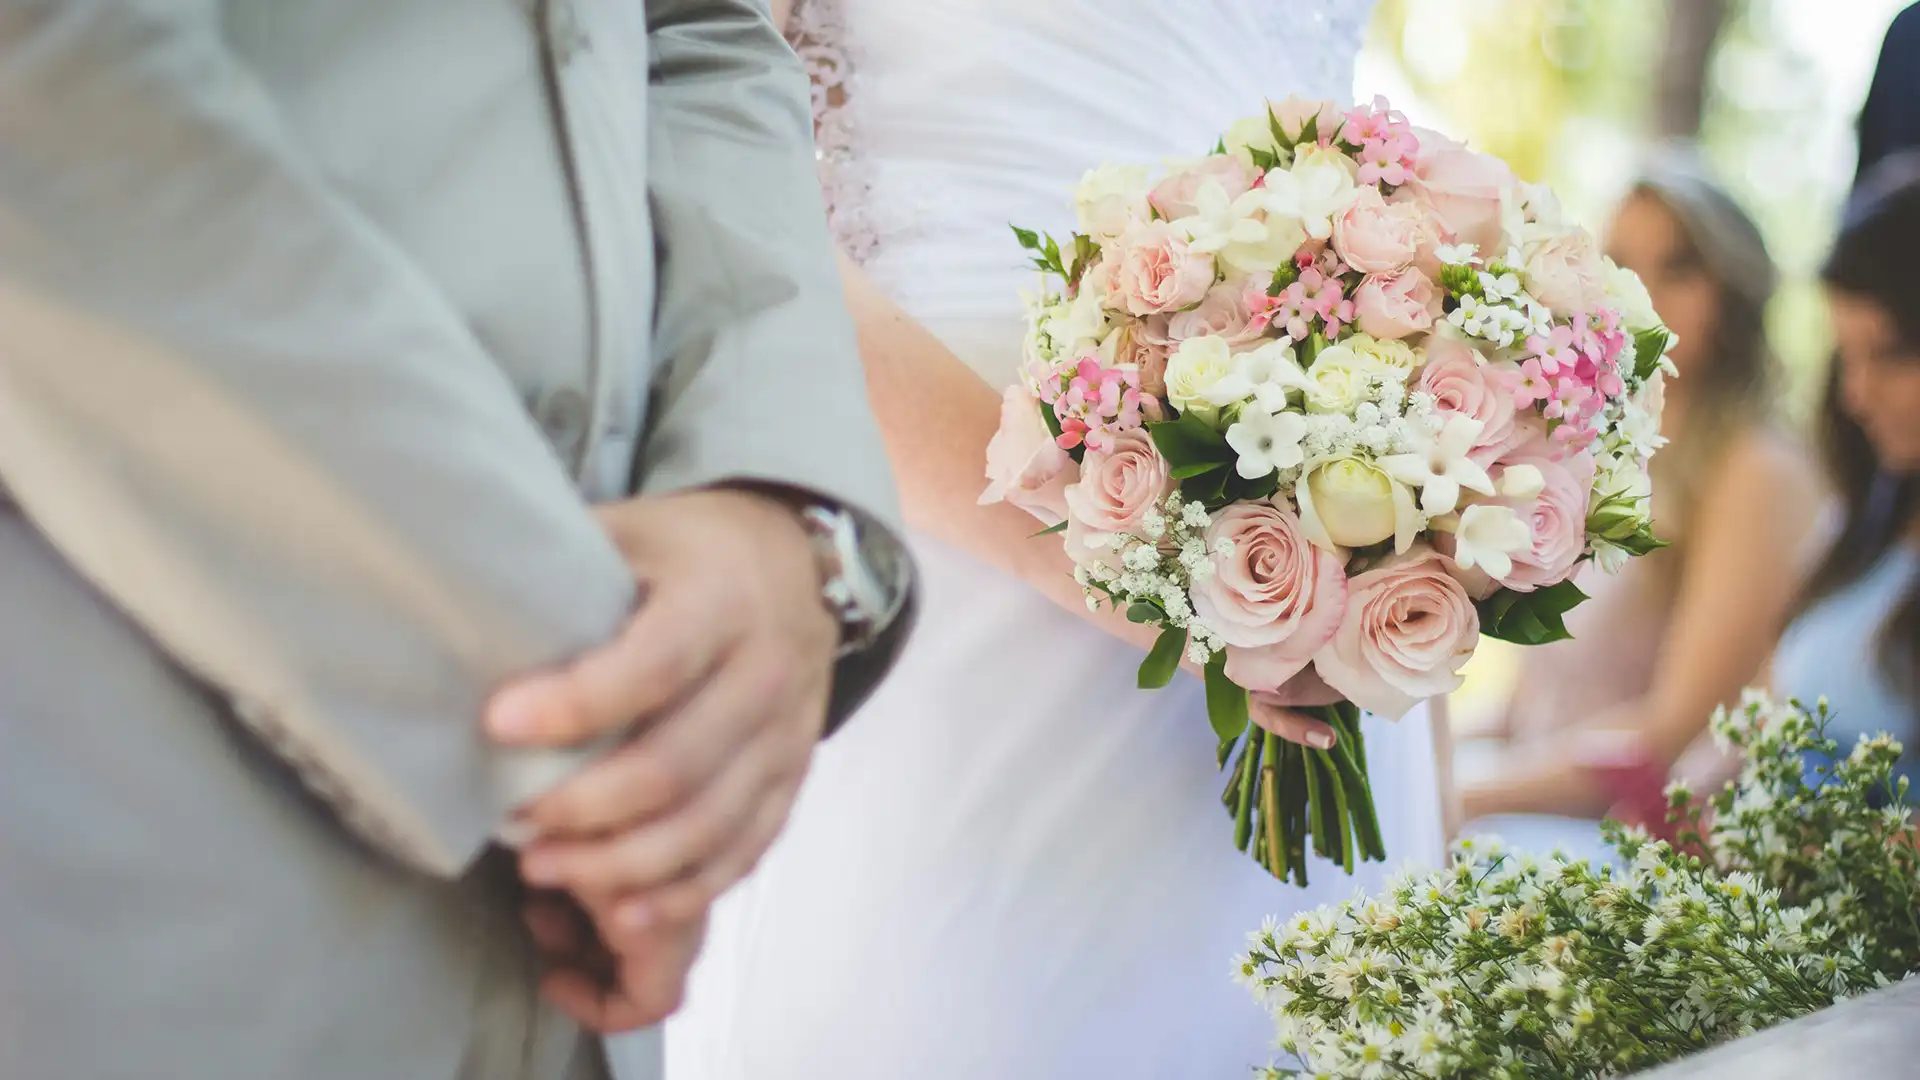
x=1284, y=796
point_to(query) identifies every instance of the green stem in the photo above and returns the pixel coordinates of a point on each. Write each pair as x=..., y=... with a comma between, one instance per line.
x=1324, y=760
x=1243, y=780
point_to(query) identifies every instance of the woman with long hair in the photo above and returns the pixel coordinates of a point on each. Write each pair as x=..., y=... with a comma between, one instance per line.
x=1855, y=636
x=1596, y=724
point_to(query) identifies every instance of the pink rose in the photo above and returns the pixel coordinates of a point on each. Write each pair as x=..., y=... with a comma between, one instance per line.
x=1565, y=272
x=1394, y=306
x=1275, y=600
x=1114, y=491
x=1226, y=312
x=1557, y=517
x=1142, y=345
x=1461, y=381
x=1433, y=232
x=1025, y=466
x=1177, y=196
x=1294, y=113
x=1466, y=189
x=1156, y=271
x=1408, y=629
x=1378, y=237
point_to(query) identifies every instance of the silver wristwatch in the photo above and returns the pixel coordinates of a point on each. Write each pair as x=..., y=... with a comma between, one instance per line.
x=862, y=574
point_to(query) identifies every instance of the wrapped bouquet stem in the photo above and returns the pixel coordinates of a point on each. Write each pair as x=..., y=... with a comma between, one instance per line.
x=1324, y=407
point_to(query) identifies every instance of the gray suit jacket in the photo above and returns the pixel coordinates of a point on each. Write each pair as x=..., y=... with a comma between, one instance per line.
x=321, y=324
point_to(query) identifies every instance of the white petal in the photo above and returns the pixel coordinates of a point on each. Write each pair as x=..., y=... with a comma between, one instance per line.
x=1407, y=468
x=1406, y=519
x=1521, y=481
x=1440, y=495
x=1471, y=475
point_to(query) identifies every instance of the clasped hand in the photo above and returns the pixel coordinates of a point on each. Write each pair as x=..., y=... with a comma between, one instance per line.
x=722, y=676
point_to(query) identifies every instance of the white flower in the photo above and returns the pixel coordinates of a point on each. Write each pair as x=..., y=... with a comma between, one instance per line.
x=1318, y=188
x=1488, y=537
x=1272, y=372
x=1194, y=374
x=1342, y=378
x=1266, y=441
x=1521, y=481
x=1500, y=286
x=1457, y=254
x=1441, y=467
x=1627, y=293
x=1609, y=557
x=1250, y=234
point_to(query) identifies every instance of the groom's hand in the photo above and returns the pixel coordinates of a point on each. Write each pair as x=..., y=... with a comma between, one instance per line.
x=603, y=991
x=724, y=672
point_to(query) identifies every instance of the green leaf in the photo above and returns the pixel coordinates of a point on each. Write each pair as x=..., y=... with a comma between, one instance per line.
x=1049, y=531
x=1209, y=489
x=1279, y=133
x=1219, y=147
x=1648, y=347
x=1028, y=238
x=1053, y=422
x=1198, y=468
x=1190, y=440
x=1240, y=489
x=1158, y=668
x=1534, y=618
x=1641, y=543
x=1146, y=611
x=1309, y=132
x=1264, y=160
x=1226, y=701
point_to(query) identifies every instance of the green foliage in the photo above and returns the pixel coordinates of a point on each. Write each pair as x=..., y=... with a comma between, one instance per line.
x=1158, y=669
x=1533, y=618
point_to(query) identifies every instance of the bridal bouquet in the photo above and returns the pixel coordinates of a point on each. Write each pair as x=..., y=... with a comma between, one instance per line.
x=1792, y=888
x=1325, y=406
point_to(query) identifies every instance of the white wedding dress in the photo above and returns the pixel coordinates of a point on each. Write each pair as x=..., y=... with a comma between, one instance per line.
x=1013, y=865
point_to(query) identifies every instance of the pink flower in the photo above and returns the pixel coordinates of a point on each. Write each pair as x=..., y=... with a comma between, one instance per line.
x=1115, y=489
x=1275, y=600
x=1394, y=306
x=1157, y=272
x=1177, y=196
x=1408, y=629
x=1461, y=381
x=1025, y=467
x=1378, y=237
x=1533, y=385
x=1387, y=160
x=1569, y=395
x=1557, y=517
x=1556, y=351
x=1226, y=312
x=1097, y=402
x=1466, y=189
x=1565, y=272
x=1371, y=123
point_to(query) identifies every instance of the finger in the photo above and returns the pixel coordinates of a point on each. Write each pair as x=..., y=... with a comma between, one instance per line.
x=1293, y=726
x=649, y=986
x=680, y=843
x=590, y=1002
x=676, y=758
x=663, y=655
x=691, y=897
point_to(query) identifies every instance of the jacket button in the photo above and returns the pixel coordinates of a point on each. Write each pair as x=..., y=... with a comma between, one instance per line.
x=562, y=415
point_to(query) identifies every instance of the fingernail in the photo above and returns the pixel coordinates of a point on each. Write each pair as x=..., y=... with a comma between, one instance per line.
x=513, y=716
x=1320, y=740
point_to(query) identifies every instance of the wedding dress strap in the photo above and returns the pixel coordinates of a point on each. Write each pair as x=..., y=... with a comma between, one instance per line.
x=818, y=33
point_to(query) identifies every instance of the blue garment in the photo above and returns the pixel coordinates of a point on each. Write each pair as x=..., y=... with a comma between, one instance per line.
x=1833, y=649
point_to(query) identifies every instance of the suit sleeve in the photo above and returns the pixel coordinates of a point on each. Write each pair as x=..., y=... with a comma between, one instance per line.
x=255, y=425
x=761, y=377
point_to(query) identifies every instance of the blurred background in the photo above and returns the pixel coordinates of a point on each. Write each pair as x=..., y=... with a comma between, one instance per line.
x=1571, y=91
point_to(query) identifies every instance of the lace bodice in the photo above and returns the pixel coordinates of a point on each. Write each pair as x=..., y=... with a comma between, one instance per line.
x=941, y=121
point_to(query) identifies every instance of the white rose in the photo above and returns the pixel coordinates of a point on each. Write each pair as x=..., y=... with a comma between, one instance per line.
x=1340, y=379
x=1245, y=136
x=1386, y=354
x=1627, y=294
x=1082, y=323
x=1350, y=503
x=1110, y=199
x=1196, y=374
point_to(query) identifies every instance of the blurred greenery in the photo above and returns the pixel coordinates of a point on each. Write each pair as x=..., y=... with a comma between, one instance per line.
x=1567, y=92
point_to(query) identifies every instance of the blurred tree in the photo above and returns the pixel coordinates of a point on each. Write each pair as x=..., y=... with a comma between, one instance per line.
x=1680, y=96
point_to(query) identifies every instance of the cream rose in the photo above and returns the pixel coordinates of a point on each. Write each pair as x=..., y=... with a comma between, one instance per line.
x=1275, y=599
x=1114, y=491
x=1374, y=236
x=1196, y=368
x=1349, y=503
x=1397, y=355
x=1110, y=200
x=1294, y=113
x=1177, y=196
x=1247, y=135
x=1564, y=272
x=1627, y=294
x=1025, y=467
x=1340, y=379
x=1157, y=272
x=1408, y=629
x=1396, y=306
